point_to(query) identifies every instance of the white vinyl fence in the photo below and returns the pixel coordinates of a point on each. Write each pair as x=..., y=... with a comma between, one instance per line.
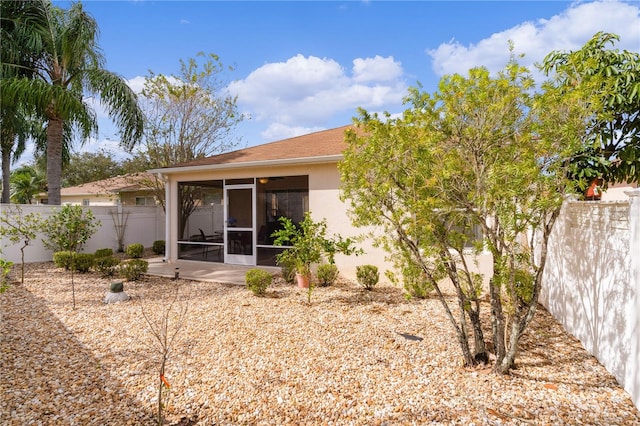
x=592, y=283
x=144, y=224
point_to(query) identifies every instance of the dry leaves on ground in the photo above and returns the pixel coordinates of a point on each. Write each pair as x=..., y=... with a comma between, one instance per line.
x=350, y=358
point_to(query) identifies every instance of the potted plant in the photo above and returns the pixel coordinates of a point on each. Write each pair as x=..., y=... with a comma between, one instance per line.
x=309, y=245
x=306, y=240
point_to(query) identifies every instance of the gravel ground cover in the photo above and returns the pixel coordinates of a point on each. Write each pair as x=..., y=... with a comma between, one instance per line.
x=352, y=357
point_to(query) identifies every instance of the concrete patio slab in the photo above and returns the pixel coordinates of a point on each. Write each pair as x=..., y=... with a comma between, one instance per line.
x=203, y=271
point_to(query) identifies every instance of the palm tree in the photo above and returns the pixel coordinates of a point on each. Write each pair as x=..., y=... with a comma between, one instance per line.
x=15, y=125
x=12, y=145
x=68, y=64
x=26, y=182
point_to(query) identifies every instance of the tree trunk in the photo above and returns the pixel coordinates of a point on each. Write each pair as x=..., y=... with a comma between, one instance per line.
x=461, y=332
x=508, y=360
x=26, y=243
x=469, y=359
x=54, y=159
x=497, y=320
x=6, y=175
x=463, y=339
x=160, y=417
x=478, y=335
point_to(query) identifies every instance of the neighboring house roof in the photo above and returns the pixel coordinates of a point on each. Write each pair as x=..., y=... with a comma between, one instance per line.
x=114, y=185
x=324, y=145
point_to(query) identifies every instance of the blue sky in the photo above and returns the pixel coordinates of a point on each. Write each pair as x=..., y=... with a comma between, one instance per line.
x=304, y=66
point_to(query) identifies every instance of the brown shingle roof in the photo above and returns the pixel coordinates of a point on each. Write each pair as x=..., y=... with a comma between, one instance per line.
x=123, y=183
x=318, y=144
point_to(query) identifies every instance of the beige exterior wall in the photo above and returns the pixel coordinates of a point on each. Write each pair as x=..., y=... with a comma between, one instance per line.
x=324, y=202
x=617, y=192
x=129, y=198
x=94, y=200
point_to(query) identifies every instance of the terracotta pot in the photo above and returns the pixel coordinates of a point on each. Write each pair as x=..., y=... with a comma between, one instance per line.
x=303, y=280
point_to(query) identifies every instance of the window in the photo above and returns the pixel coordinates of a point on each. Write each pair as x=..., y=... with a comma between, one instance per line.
x=145, y=201
x=463, y=228
x=282, y=196
x=85, y=201
x=201, y=221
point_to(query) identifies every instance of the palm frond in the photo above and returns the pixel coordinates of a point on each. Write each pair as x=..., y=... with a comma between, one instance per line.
x=121, y=103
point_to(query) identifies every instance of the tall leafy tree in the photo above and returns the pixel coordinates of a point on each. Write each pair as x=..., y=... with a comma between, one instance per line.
x=189, y=115
x=90, y=167
x=481, y=152
x=67, y=66
x=611, y=148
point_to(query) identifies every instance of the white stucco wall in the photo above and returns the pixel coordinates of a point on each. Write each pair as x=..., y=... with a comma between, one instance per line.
x=632, y=376
x=591, y=283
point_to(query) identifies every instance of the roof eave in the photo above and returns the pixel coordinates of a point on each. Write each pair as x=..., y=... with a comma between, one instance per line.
x=262, y=163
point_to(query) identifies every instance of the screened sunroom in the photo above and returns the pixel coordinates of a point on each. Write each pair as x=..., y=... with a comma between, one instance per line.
x=232, y=220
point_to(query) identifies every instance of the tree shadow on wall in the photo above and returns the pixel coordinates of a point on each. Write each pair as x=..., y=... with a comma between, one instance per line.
x=587, y=281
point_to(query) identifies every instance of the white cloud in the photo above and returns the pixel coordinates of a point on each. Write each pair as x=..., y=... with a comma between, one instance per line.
x=137, y=83
x=106, y=144
x=303, y=93
x=276, y=131
x=376, y=69
x=566, y=31
x=282, y=81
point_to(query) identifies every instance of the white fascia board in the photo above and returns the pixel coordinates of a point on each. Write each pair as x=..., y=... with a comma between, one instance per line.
x=264, y=163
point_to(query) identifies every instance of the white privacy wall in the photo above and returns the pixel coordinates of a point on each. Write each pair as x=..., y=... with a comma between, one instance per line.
x=145, y=224
x=591, y=283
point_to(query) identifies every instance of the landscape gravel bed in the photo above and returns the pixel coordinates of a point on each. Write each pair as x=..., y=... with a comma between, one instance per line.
x=351, y=357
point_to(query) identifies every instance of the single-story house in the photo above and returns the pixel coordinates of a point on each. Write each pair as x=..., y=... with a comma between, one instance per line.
x=233, y=201
x=128, y=190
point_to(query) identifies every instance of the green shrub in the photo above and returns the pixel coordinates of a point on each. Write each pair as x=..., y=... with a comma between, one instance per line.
x=327, y=274
x=135, y=250
x=367, y=276
x=158, y=246
x=5, y=270
x=107, y=266
x=258, y=280
x=83, y=262
x=103, y=252
x=288, y=267
x=134, y=269
x=69, y=228
x=62, y=259
x=415, y=284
